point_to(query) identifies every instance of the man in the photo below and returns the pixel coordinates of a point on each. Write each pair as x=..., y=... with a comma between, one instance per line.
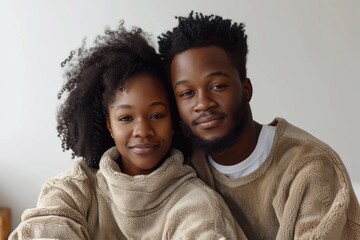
x=278, y=180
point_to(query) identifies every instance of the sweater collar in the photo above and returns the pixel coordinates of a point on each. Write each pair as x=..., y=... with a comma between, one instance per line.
x=142, y=192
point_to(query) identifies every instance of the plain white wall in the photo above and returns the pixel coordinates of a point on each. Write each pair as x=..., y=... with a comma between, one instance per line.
x=304, y=62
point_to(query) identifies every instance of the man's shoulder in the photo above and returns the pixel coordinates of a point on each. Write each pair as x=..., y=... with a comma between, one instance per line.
x=304, y=148
x=289, y=133
x=287, y=129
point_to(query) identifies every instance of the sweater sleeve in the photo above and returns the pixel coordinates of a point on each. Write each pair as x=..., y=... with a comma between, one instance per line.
x=60, y=212
x=202, y=214
x=313, y=201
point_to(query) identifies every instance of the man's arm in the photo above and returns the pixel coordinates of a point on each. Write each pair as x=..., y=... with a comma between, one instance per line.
x=317, y=202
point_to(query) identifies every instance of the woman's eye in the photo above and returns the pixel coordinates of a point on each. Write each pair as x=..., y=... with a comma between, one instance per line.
x=125, y=118
x=157, y=116
x=186, y=93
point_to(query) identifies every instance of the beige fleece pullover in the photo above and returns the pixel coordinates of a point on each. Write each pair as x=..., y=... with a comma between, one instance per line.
x=169, y=203
x=302, y=191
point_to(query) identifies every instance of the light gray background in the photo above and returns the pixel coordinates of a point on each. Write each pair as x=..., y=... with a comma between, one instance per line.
x=304, y=64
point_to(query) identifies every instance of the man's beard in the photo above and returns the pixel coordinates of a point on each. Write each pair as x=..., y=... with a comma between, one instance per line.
x=240, y=116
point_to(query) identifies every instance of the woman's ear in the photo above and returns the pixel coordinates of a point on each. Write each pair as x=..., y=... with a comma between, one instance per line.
x=108, y=126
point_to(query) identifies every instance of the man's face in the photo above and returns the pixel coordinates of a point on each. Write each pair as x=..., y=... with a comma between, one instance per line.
x=210, y=96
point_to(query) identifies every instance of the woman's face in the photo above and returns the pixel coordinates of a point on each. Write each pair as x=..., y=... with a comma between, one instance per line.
x=140, y=123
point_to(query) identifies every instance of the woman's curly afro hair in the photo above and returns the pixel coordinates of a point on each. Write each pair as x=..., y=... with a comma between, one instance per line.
x=93, y=75
x=198, y=30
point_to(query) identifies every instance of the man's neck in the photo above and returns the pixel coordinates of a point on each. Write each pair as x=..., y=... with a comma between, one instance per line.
x=242, y=149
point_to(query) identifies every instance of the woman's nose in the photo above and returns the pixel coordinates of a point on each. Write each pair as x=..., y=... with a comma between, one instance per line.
x=143, y=129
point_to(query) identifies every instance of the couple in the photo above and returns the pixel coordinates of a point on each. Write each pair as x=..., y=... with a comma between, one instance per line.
x=271, y=181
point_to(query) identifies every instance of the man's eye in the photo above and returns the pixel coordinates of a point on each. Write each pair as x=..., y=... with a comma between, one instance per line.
x=186, y=93
x=125, y=118
x=157, y=116
x=217, y=86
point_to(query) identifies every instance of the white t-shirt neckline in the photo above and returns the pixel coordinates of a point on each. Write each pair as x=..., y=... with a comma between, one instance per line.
x=256, y=158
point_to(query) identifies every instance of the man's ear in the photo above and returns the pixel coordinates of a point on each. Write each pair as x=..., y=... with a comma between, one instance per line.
x=248, y=90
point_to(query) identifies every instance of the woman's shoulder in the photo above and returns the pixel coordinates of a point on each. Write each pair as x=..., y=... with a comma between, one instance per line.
x=79, y=172
x=74, y=185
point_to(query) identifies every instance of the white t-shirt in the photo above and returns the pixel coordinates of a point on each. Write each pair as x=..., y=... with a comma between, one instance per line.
x=256, y=158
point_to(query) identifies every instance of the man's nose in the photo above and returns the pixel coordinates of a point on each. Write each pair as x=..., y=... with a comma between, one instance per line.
x=204, y=102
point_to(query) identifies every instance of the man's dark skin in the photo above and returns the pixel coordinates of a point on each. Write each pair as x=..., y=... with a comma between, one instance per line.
x=205, y=82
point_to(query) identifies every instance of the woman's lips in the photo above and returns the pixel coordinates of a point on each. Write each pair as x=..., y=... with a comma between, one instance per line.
x=144, y=148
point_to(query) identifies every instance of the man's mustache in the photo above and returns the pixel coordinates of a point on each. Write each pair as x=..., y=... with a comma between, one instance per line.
x=205, y=115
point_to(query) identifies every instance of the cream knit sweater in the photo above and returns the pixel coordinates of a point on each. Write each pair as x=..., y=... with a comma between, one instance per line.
x=302, y=191
x=169, y=203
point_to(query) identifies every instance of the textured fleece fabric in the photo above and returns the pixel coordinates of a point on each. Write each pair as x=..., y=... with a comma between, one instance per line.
x=301, y=191
x=169, y=203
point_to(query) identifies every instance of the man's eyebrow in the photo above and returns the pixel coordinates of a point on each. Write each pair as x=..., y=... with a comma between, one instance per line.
x=218, y=73
x=213, y=74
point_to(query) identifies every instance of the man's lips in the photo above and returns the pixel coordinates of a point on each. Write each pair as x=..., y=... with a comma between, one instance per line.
x=144, y=148
x=208, y=121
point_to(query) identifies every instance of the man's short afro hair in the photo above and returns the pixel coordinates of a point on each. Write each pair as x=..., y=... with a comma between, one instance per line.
x=198, y=30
